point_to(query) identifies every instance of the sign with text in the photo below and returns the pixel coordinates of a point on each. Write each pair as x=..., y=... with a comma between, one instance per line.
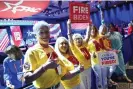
x=79, y=12
x=21, y=8
x=108, y=58
x=16, y=35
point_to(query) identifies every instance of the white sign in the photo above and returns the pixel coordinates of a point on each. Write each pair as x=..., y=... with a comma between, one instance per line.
x=108, y=58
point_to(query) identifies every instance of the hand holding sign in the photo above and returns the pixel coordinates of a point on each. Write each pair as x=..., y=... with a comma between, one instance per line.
x=108, y=58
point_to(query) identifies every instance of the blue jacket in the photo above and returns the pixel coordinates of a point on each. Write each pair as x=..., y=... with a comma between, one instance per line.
x=10, y=71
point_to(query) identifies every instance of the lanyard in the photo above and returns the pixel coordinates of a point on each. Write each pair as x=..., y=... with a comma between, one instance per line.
x=16, y=66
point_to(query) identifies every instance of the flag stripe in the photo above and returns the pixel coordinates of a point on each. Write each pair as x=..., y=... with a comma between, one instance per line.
x=3, y=39
x=4, y=43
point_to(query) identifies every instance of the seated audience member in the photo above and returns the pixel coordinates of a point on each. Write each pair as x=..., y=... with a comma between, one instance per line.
x=13, y=66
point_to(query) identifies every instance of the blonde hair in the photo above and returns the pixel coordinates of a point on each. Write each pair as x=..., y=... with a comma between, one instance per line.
x=57, y=47
x=101, y=28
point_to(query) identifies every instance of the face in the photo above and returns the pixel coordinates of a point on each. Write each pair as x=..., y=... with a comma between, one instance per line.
x=104, y=31
x=78, y=41
x=12, y=56
x=43, y=35
x=93, y=32
x=63, y=46
x=111, y=28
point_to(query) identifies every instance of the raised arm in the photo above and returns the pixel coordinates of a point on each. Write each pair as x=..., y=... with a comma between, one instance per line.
x=69, y=32
x=88, y=33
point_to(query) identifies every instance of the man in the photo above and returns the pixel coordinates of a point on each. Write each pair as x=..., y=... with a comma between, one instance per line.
x=41, y=62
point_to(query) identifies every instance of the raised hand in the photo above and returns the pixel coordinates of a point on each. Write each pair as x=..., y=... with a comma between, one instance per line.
x=69, y=22
x=51, y=63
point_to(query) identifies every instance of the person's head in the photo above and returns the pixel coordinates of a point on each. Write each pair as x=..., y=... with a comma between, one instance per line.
x=78, y=39
x=130, y=24
x=94, y=31
x=41, y=29
x=111, y=27
x=61, y=45
x=102, y=29
x=14, y=52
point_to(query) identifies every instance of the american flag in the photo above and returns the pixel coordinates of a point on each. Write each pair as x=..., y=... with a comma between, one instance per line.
x=55, y=30
x=79, y=26
x=4, y=39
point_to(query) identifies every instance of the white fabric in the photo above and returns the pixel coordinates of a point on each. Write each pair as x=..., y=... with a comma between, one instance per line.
x=101, y=76
x=86, y=78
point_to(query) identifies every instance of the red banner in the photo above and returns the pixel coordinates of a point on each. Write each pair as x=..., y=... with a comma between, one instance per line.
x=16, y=35
x=21, y=8
x=79, y=12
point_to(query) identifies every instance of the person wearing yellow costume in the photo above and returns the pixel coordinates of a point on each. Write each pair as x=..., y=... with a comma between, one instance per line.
x=95, y=47
x=107, y=46
x=41, y=61
x=78, y=46
x=63, y=51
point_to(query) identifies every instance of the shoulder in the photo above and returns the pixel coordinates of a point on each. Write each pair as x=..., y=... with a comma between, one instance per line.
x=117, y=33
x=6, y=60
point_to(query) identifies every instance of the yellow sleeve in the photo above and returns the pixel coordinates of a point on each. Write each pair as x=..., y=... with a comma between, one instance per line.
x=66, y=66
x=29, y=60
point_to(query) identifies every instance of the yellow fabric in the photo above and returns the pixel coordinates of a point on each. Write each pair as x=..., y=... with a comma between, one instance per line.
x=92, y=48
x=73, y=81
x=80, y=57
x=106, y=42
x=36, y=57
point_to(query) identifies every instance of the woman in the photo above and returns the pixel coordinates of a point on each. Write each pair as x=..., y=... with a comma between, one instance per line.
x=116, y=43
x=107, y=46
x=63, y=51
x=78, y=46
x=13, y=66
x=95, y=47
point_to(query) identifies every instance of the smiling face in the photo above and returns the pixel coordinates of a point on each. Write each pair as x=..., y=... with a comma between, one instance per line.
x=63, y=46
x=94, y=31
x=43, y=35
x=112, y=28
x=104, y=30
x=78, y=41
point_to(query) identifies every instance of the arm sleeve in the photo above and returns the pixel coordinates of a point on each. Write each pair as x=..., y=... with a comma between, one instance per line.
x=7, y=74
x=30, y=62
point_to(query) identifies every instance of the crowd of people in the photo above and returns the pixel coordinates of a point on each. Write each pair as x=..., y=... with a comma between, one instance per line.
x=68, y=63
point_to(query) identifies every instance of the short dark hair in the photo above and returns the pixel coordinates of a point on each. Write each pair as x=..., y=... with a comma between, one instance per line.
x=12, y=49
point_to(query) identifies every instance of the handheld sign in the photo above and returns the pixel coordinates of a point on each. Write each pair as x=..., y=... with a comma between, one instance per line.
x=79, y=12
x=108, y=58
